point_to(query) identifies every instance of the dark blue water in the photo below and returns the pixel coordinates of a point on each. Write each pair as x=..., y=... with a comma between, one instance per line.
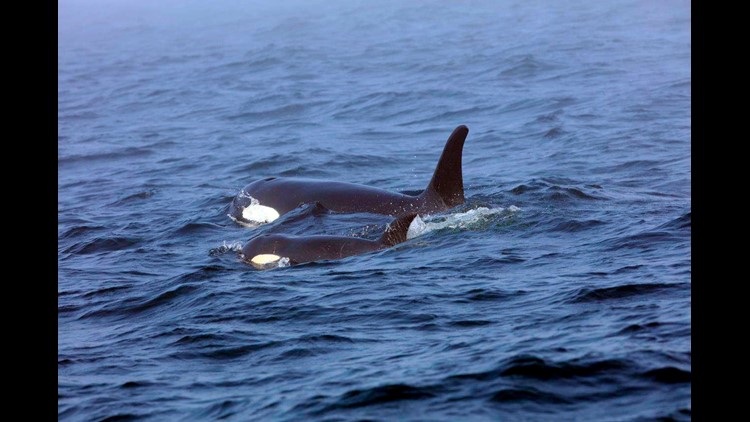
x=574, y=306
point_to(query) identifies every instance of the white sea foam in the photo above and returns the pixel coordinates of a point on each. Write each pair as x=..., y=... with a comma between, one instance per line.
x=235, y=246
x=416, y=228
x=462, y=220
x=226, y=247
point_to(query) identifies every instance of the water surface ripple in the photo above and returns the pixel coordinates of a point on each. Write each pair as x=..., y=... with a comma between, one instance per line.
x=575, y=306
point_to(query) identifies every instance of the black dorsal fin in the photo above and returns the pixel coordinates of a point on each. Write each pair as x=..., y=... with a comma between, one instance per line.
x=448, y=181
x=395, y=233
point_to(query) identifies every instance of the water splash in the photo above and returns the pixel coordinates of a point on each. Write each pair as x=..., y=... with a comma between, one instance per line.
x=463, y=220
x=235, y=246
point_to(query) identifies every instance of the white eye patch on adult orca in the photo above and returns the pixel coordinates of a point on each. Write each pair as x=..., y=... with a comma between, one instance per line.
x=246, y=209
x=259, y=213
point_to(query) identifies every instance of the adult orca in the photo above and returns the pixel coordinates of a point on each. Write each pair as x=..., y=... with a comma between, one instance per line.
x=267, y=250
x=265, y=200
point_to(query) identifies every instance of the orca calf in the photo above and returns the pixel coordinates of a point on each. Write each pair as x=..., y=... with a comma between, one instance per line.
x=267, y=250
x=265, y=200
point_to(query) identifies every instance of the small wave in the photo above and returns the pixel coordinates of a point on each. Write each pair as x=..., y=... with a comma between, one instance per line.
x=105, y=291
x=635, y=164
x=648, y=239
x=284, y=111
x=555, y=132
x=576, y=225
x=135, y=306
x=536, y=368
x=134, y=197
x=221, y=410
x=482, y=295
x=102, y=244
x=644, y=240
x=449, y=115
x=228, y=353
x=626, y=269
x=130, y=152
x=464, y=220
x=325, y=338
x=136, y=384
x=680, y=223
x=199, y=275
x=193, y=227
x=121, y=417
x=262, y=165
x=618, y=292
x=80, y=231
x=636, y=328
x=514, y=395
x=559, y=193
x=296, y=353
x=532, y=367
x=525, y=66
x=367, y=105
x=382, y=394
x=165, y=298
x=524, y=188
x=200, y=338
x=559, y=189
x=470, y=323
x=549, y=117
x=250, y=64
x=668, y=375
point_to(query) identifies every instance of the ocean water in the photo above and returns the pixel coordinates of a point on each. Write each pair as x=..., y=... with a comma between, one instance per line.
x=561, y=289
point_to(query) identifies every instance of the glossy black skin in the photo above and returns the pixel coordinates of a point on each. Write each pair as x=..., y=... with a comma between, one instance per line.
x=284, y=194
x=301, y=249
